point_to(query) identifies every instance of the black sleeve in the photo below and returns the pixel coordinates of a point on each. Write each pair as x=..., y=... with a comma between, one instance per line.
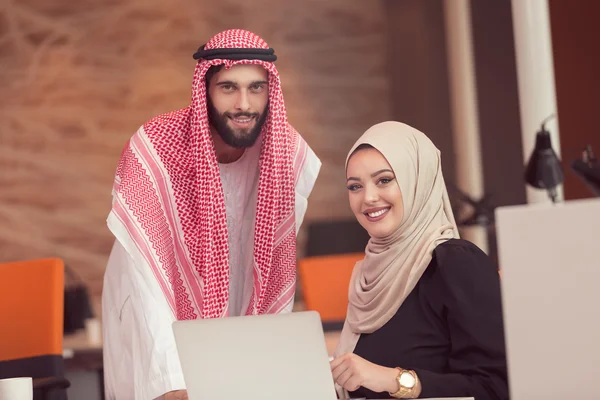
x=473, y=311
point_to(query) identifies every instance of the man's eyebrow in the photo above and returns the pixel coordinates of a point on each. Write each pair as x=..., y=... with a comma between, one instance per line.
x=233, y=83
x=223, y=83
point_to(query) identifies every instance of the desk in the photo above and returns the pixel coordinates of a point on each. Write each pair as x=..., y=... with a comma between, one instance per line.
x=79, y=353
x=82, y=356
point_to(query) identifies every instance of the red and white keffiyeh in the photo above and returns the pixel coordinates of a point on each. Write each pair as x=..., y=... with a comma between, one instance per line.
x=169, y=198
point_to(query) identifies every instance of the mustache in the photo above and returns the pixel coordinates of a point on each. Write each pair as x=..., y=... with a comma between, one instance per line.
x=241, y=114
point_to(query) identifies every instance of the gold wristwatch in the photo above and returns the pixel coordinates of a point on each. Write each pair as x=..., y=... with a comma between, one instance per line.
x=407, y=382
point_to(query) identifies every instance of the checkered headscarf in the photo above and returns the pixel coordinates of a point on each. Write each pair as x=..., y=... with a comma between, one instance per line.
x=168, y=194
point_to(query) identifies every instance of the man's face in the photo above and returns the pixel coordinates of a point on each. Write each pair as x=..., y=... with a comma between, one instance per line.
x=237, y=103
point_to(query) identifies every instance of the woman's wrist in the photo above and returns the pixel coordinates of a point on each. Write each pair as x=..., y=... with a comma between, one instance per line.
x=392, y=385
x=418, y=388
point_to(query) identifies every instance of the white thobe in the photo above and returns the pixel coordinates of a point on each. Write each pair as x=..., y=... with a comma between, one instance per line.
x=140, y=356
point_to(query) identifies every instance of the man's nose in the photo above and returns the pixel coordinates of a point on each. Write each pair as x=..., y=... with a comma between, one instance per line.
x=243, y=103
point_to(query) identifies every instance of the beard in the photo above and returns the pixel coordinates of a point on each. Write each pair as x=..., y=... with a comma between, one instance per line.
x=239, y=138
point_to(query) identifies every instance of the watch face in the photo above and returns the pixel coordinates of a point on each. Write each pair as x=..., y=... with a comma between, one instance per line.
x=407, y=380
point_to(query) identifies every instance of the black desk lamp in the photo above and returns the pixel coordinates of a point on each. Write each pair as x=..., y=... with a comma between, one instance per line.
x=588, y=169
x=544, y=170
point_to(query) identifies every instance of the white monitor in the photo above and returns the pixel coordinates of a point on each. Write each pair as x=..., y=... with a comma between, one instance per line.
x=549, y=257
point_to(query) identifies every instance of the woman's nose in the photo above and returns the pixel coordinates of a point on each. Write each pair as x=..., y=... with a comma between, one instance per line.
x=371, y=195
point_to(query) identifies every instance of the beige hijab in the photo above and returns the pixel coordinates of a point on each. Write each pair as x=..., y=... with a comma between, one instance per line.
x=393, y=265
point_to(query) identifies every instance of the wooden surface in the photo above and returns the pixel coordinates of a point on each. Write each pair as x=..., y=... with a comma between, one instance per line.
x=78, y=78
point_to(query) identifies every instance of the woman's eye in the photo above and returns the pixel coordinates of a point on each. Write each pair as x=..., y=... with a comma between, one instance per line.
x=353, y=188
x=385, y=181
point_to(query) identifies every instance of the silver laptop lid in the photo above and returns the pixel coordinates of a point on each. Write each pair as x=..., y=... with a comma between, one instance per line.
x=280, y=356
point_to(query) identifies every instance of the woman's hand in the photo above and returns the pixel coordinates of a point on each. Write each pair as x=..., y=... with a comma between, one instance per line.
x=351, y=372
x=176, y=395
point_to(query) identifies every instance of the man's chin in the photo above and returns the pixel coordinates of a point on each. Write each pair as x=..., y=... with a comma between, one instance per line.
x=241, y=140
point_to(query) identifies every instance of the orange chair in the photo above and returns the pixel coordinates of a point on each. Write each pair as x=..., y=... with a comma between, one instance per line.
x=31, y=314
x=324, y=282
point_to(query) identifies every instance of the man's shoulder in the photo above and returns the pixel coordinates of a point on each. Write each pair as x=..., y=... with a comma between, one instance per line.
x=170, y=126
x=300, y=145
x=306, y=164
x=177, y=119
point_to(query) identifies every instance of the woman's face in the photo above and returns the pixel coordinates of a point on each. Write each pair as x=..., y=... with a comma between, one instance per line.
x=374, y=193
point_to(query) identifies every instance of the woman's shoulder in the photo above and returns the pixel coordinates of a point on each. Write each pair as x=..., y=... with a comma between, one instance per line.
x=458, y=248
x=457, y=258
x=462, y=273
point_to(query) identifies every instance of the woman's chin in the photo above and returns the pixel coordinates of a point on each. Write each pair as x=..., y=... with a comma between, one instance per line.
x=378, y=233
x=377, y=230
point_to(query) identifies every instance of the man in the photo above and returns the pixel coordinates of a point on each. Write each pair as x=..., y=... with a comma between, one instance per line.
x=207, y=203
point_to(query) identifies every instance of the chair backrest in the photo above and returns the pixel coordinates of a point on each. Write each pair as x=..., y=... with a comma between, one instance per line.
x=31, y=315
x=324, y=282
x=335, y=237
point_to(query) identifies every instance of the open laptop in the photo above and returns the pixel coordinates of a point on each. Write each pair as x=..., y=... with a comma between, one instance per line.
x=550, y=261
x=266, y=357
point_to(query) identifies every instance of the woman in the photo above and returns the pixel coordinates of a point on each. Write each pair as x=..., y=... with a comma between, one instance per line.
x=424, y=316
